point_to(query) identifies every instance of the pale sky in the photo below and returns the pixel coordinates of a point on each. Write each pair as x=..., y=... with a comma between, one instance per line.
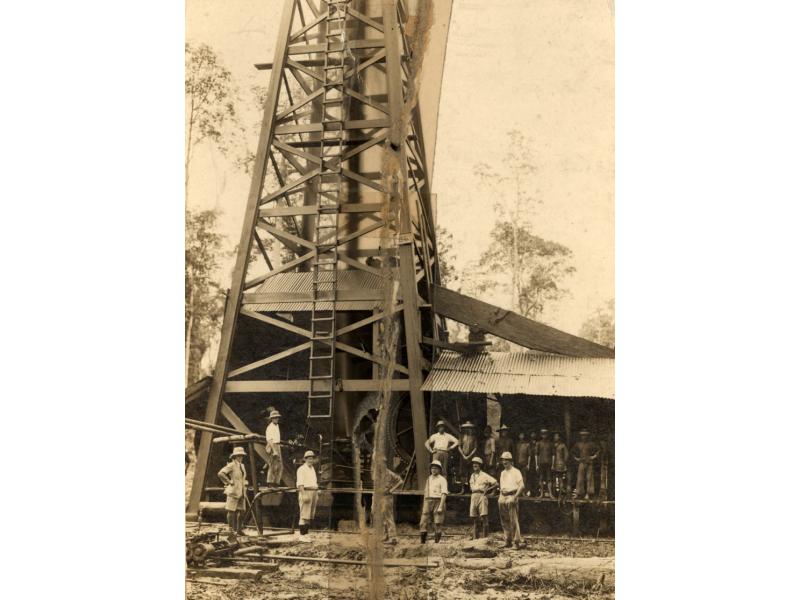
x=544, y=67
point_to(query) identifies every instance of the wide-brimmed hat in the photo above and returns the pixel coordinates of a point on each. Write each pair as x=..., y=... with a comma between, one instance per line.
x=440, y=422
x=238, y=451
x=477, y=459
x=309, y=453
x=436, y=463
x=544, y=430
x=274, y=414
x=503, y=428
x=506, y=456
x=584, y=432
x=467, y=424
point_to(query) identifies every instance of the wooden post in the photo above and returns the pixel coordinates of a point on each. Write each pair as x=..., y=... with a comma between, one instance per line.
x=396, y=182
x=240, y=269
x=568, y=438
x=254, y=475
x=576, y=519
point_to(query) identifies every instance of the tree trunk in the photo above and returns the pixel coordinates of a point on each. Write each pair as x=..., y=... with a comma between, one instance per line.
x=515, y=250
x=189, y=326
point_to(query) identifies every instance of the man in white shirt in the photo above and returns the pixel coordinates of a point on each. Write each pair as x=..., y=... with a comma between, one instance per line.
x=433, y=503
x=274, y=457
x=511, y=487
x=306, y=494
x=440, y=444
x=480, y=484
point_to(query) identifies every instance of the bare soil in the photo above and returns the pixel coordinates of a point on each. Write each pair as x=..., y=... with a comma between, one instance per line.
x=544, y=570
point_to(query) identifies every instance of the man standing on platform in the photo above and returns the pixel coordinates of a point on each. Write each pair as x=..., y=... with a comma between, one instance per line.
x=504, y=443
x=543, y=458
x=440, y=444
x=467, y=448
x=306, y=494
x=511, y=488
x=488, y=449
x=433, y=501
x=480, y=483
x=560, y=456
x=234, y=478
x=274, y=457
x=585, y=452
x=522, y=456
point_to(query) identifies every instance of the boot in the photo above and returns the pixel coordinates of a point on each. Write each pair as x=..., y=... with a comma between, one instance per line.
x=437, y=536
x=423, y=537
x=508, y=543
x=475, y=535
x=549, y=490
x=484, y=526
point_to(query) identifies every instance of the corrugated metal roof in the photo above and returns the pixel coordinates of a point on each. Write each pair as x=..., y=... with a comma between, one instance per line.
x=352, y=279
x=306, y=306
x=522, y=373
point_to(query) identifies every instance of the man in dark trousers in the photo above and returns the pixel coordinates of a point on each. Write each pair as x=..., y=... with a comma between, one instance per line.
x=543, y=457
x=560, y=457
x=585, y=452
x=504, y=443
x=522, y=458
x=489, y=453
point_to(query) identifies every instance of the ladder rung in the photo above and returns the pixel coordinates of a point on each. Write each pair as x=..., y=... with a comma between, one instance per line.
x=319, y=377
x=331, y=318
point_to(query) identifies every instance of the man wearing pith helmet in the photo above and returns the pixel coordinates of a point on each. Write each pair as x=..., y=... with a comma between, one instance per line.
x=274, y=457
x=433, y=503
x=234, y=477
x=511, y=488
x=306, y=494
x=440, y=444
x=480, y=484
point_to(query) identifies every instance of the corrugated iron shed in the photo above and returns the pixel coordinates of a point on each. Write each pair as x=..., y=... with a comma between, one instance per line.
x=533, y=374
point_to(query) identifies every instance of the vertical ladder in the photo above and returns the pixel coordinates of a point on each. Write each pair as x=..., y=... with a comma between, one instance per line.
x=330, y=192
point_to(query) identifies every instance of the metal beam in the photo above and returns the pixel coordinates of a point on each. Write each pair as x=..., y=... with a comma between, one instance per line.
x=302, y=385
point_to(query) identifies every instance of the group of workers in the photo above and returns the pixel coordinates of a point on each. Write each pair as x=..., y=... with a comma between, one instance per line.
x=542, y=460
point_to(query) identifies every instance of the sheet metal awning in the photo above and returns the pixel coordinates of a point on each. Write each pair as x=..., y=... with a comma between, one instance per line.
x=533, y=374
x=292, y=292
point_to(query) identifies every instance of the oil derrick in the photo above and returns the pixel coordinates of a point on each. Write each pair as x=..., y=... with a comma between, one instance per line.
x=340, y=191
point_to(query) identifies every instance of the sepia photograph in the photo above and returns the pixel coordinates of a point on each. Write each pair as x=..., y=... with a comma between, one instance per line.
x=457, y=277
x=399, y=299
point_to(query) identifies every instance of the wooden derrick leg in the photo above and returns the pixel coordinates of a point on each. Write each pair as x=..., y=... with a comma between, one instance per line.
x=397, y=183
x=240, y=269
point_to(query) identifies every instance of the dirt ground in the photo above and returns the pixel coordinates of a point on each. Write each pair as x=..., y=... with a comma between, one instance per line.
x=544, y=570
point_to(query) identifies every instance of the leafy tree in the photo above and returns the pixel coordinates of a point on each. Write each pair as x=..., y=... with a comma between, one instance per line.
x=514, y=193
x=541, y=266
x=444, y=245
x=204, y=297
x=211, y=117
x=600, y=326
x=211, y=97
